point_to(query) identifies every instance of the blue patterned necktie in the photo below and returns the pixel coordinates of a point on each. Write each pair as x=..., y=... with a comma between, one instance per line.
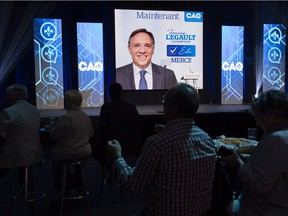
x=142, y=83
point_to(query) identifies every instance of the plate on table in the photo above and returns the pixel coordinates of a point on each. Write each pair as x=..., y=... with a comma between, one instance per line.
x=235, y=143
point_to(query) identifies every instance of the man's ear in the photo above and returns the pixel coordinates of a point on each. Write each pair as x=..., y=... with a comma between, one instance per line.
x=129, y=48
x=173, y=109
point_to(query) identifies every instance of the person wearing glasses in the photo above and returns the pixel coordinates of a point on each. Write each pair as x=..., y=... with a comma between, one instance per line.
x=142, y=74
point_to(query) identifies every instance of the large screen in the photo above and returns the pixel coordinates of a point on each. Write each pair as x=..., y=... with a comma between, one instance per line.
x=175, y=55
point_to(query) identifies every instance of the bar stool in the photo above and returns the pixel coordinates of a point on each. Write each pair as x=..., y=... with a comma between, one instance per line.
x=109, y=177
x=30, y=196
x=68, y=165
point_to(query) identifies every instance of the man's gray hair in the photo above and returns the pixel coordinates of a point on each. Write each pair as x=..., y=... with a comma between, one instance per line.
x=19, y=90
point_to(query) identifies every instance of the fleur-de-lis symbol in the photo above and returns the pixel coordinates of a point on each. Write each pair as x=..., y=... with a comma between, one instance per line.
x=48, y=31
x=50, y=97
x=274, y=75
x=274, y=55
x=275, y=35
x=50, y=76
x=49, y=53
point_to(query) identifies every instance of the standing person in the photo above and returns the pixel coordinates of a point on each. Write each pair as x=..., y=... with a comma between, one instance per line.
x=120, y=120
x=71, y=134
x=264, y=177
x=176, y=166
x=19, y=127
x=141, y=45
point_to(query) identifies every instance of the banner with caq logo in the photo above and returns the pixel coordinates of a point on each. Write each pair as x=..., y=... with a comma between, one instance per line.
x=90, y=63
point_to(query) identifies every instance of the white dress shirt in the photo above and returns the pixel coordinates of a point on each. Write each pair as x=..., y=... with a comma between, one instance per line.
x=148, y=76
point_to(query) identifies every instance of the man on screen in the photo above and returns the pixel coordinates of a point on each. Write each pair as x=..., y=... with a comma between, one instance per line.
x=142, y=74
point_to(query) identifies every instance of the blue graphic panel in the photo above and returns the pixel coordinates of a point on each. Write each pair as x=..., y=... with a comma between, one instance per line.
x=90, y=63
x=232, y=65
x=48, y=63
x=274, y=51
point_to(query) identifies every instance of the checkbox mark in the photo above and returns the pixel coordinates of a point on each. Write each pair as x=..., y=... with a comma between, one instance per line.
x=173, y=50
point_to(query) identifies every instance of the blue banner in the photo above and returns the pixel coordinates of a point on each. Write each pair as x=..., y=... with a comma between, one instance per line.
x=232, y=65
x=48, y=63
x=274, y=51
x=90, y=63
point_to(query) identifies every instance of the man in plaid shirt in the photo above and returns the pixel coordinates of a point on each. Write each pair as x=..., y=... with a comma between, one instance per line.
x=176, y=166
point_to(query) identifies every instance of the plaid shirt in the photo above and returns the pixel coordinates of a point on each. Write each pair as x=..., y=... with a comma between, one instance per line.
x=175, y=170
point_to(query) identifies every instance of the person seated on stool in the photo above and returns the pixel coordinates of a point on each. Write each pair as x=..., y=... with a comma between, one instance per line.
x=19, y=127
x=71, y=134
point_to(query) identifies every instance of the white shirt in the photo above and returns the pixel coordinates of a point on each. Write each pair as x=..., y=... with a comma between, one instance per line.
x=148, y=76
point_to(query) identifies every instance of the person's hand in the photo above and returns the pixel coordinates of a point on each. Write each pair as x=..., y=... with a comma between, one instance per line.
x=233, y=160
x=158, y=128
x=114, y=149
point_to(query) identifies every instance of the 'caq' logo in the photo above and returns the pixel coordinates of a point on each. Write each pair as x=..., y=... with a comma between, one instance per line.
x=193, y=16
x=97, y=66
x=226, y=66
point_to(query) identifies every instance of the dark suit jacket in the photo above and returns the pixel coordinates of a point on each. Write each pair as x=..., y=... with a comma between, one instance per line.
x=125, y=76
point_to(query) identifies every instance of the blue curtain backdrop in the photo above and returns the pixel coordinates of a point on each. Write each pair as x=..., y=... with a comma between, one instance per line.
x=18, y=17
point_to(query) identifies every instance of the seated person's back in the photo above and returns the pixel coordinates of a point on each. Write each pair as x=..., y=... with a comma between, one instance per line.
x=72, y=131
x=176, y=166
x=120, y=120
x=19, y=125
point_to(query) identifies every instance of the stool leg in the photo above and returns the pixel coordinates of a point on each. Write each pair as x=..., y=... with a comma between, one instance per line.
x=44, y=188
x=26, y=191
x=84, y=185
x=63, y=189
x=102, y=180
x=13, y=191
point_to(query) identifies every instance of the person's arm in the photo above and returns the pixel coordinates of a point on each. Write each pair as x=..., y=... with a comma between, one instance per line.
x=232, y=159
x=267, y=165
x=138, y=179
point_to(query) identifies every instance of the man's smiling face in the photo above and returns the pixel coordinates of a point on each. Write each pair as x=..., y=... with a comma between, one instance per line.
x=141, y=48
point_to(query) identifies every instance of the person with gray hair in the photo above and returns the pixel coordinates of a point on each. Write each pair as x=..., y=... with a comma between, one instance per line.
x=176, y=166
x=263, y=179
x=19, y=127
x=71, y=134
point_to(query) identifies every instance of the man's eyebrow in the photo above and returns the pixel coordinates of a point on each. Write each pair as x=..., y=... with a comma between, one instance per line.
x=145, y=44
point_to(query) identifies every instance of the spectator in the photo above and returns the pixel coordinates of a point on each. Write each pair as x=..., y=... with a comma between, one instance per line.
x=176, y=166
x=263, y=179
x=19, y=127
x=71, y=134
x=119, y=120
